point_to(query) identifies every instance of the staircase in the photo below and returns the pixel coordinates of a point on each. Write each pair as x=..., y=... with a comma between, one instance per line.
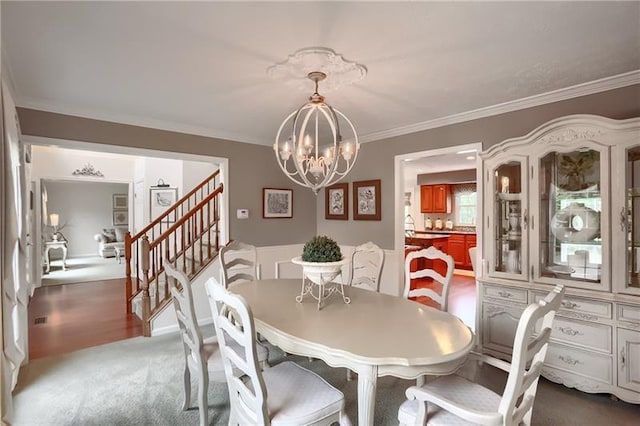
x=186, y=234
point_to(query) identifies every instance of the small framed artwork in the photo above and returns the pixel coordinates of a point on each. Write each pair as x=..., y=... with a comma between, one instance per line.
x=120, y=201
x=120, y=217
x=336, y=201
x=277, y=203
x=366, y=200
x=160, y=200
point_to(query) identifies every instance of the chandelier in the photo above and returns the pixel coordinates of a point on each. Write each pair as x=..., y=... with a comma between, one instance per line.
x=317, y=145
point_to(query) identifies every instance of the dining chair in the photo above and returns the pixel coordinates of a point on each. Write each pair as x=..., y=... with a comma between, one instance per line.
x=201, y=356
x=473, y=254
x=453, y=399
x=238, y=262
x=285, y=393
x=367, y=261
x=429, y=254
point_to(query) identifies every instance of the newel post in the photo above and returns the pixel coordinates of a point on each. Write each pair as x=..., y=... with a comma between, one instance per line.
x=146, y=301
x=127, y=261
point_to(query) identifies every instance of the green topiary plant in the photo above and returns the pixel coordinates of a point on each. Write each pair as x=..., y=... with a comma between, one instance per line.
x=321, y=249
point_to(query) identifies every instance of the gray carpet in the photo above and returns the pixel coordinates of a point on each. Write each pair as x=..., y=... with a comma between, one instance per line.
x=84, y=269
x=139, y=382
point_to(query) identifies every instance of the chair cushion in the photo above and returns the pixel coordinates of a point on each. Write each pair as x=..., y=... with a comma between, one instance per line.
x=455, y=388
x=120, y=233
x=109, y=235
x=299, y=396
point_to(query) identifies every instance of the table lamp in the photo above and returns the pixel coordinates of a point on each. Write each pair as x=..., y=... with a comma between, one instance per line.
x=54, y=220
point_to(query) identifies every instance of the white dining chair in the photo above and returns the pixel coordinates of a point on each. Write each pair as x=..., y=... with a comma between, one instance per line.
x=450, y=400
x=367, y=261
x=431, y=254
x=473, y=254
x=285, y=394
x=201, y=356
x=238, y=262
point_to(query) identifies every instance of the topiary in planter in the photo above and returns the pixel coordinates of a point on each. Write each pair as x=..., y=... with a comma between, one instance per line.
x=321, y=249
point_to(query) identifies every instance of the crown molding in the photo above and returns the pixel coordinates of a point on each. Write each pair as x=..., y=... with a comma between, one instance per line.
x=596, y=86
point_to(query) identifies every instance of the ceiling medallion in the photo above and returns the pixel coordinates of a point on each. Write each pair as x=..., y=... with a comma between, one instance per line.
x=317, y=145
x=339, y=71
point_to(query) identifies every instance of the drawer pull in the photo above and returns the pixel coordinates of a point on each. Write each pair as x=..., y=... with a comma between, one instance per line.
x=623, y=358
x=570, y=331
x=504, y=294
x=569, y=305
x=568, y=360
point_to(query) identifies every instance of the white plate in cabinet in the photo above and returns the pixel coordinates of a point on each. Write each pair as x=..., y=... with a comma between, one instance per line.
x=629, y=359
x=499, y=324
x=585, y=309
x=506, y=293
x=588, y=335
x=587, y=364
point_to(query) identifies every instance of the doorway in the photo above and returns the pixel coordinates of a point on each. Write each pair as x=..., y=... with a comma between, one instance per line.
x=437, y=203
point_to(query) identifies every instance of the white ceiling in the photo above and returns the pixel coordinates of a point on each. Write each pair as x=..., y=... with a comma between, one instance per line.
x=201, y=67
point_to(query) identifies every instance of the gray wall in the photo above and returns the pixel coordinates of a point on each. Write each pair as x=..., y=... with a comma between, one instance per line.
x=252, y=167
x=376, y=160
x=85, y=208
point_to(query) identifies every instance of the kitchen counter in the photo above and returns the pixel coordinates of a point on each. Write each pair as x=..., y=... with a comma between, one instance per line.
x=445, y=232
x=430, y=236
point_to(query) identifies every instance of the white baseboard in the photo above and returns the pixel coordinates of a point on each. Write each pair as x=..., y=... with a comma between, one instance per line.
x=160, y=331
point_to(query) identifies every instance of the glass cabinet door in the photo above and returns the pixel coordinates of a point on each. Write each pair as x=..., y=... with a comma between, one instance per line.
x=630, y=220
x=570, y=231
x=507, y=184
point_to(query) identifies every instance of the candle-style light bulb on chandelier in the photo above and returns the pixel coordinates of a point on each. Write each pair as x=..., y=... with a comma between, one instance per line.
x=316, y=145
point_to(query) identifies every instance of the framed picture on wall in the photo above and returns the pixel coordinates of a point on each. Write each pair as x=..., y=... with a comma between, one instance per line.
x=366, y=200
x=160, y=199
x=120, y=201
x=277, y=203
x=336, y=201
x=120, y=217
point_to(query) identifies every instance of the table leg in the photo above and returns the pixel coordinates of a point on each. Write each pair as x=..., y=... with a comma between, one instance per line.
x=64, y=258
x=367, y=383
x=47, y=260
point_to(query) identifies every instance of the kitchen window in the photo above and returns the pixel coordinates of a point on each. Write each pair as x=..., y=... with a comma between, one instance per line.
x=465, y=204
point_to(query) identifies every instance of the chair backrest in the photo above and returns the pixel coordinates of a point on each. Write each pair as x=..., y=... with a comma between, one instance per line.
x=238, y=262
x=367, y=261
x=181, y=295
x=430, y=253
x=235, y=329
x=473, y=254
x=529, y=351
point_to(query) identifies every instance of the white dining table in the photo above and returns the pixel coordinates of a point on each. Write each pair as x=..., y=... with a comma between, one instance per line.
x=375, y=335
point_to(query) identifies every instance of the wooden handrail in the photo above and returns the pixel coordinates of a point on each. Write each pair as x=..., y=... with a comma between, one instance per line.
x=176, y=205
x=186, y=217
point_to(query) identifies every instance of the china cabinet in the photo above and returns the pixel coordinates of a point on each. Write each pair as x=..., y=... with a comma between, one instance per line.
x=562, y=206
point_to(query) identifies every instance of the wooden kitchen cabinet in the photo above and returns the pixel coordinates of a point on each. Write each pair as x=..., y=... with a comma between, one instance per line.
x=426, y=199
x=435, y=198
x=459, y=245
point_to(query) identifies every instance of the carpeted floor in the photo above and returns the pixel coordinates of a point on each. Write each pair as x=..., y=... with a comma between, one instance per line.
x=139, y=382
x=84, y=269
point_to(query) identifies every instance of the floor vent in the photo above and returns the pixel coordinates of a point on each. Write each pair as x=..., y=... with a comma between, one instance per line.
x=40, y=320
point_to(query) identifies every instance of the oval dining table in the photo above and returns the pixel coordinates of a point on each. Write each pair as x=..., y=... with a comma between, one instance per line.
x=374, y=335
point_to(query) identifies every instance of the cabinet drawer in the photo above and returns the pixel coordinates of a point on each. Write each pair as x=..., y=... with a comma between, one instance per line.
x=587, y=364
x=585, y=309
x=629, y=313
x=506, y=293
x=589, y=335
x=456, y=238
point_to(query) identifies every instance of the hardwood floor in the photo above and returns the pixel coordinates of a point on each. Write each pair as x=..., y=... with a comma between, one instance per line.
x=78, y=316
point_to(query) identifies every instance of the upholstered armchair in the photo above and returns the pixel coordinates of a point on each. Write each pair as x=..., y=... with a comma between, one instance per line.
x=110, y=239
